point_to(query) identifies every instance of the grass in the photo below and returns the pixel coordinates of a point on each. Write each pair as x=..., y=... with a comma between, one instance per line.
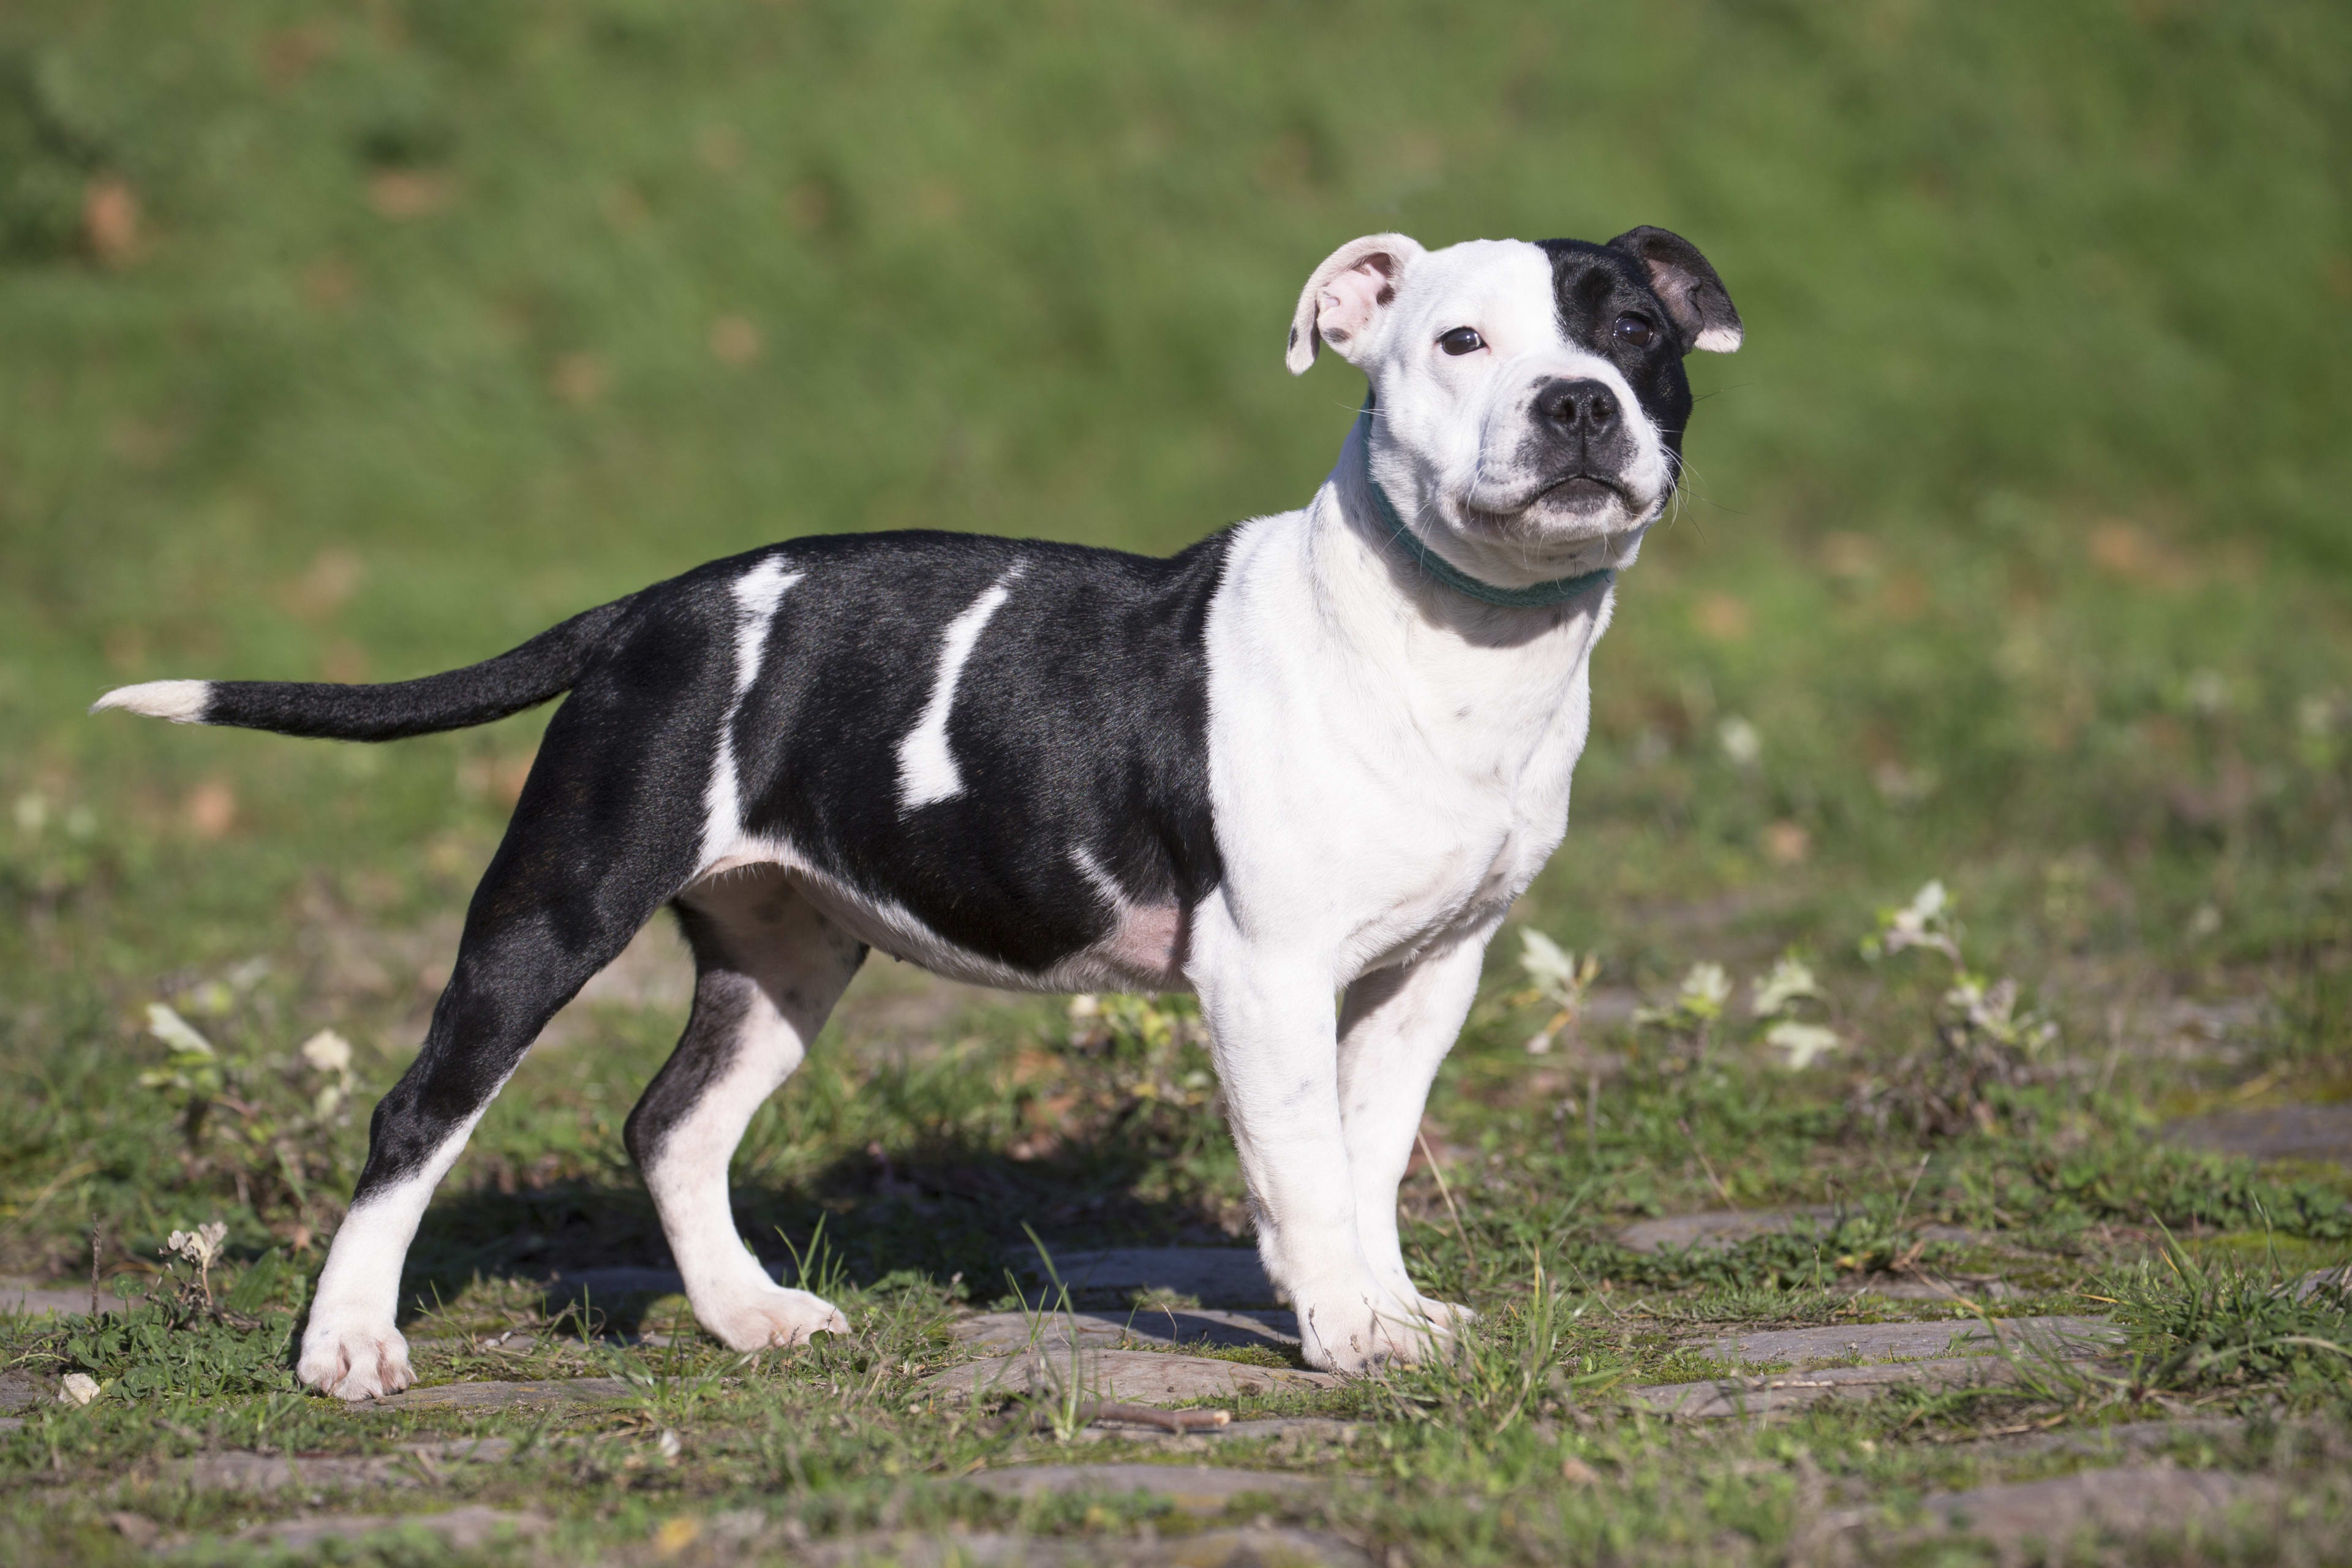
x=357, y=344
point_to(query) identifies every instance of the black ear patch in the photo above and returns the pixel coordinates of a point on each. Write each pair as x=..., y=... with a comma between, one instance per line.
x=1688, y=287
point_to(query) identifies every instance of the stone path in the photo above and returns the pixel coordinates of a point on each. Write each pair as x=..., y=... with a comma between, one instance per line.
x=2062, y=1337
x=1212, y=1275
x=1129, y=1327
x=26, y=1298
x=2126, y=1437
x=415, y=1464
x=1202, y=1489
x=503, y=1395
x=1769, y=1393
x=1719, y=1230
x=1292, y=1434
x=2053, y=1339
x=1254, y=1546
x=460, y=1529
x=2139, y=1501
x=2319, y=1133
x=1142, y=1377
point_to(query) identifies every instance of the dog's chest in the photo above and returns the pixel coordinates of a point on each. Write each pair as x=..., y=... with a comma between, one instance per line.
x=1473, y=810
x=1383, y=792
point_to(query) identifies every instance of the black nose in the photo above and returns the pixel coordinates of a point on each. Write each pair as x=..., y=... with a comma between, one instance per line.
x=1576, y=407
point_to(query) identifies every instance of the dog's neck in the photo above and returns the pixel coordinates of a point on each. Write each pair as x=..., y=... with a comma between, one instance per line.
x=1358, y=564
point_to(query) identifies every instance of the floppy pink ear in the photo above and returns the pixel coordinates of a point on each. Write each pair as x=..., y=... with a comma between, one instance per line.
x=1343, y=301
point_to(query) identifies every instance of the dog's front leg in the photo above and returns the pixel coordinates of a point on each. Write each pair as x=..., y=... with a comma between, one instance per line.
x=1273, y=1031
x=1395, y=1027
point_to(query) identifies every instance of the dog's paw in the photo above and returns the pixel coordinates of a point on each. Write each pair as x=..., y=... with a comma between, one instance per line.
x=1357, y=1334
x=351, y=1358
x=770, y=1318
x=1447, y=1317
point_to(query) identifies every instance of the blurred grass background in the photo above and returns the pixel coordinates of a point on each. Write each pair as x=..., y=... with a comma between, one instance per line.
x=359, y=341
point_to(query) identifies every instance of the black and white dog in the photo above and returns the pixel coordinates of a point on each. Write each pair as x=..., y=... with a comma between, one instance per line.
x=1315, y=754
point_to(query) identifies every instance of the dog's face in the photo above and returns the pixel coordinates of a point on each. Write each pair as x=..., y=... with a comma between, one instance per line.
x=1531, y=398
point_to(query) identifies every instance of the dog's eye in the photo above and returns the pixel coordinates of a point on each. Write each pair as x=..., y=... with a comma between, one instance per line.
x=1634, y=330
x=1462, y=341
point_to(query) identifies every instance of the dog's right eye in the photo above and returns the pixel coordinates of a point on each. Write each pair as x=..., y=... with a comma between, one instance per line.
x=1462, y=341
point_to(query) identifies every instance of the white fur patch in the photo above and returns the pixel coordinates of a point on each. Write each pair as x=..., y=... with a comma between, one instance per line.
x=927, y=768
x=180, y=701
x=756, y=594
x=1720, y=340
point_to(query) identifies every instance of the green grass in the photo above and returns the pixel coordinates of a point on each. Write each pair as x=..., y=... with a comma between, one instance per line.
x=2015, y=535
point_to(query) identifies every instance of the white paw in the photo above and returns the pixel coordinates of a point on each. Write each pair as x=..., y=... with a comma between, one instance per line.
x=1447, y=1317
x=773, y=1318
x=1354, y=1333
x=346, y=1355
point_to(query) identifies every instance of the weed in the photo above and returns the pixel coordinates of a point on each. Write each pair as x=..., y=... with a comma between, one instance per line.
x=2235, y=1325
x=1561, y=981
x=268, y=1124
x=1686, y=1020
x=1981, y=1044
x=1782, y=1000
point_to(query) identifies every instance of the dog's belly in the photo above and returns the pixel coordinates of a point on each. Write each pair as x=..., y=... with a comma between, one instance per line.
x=1144, y=951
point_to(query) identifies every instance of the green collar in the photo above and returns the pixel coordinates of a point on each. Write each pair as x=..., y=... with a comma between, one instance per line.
x=1535, y=595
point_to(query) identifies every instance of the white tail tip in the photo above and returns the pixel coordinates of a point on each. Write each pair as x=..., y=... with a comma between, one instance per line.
x=180, y=701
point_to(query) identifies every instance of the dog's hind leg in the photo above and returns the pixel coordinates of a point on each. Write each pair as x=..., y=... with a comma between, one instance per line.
x=582, y=868
x=769, y=968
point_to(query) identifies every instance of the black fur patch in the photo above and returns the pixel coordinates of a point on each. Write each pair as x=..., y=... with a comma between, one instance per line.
x=1593, y=286
x=1080, y=723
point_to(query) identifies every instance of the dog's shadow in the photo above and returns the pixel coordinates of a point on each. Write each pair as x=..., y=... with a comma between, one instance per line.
x=591, y=1250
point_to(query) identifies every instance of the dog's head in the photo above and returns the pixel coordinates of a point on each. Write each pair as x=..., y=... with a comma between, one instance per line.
x=1530, y=397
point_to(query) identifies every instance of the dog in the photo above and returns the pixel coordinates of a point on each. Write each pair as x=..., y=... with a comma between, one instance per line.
x=1317, y=756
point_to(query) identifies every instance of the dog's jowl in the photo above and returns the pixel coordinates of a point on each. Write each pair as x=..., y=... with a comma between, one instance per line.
x=1319, y=752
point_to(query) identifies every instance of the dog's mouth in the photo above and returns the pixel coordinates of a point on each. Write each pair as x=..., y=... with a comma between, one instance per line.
x=1580, y=494
x=1585, y=492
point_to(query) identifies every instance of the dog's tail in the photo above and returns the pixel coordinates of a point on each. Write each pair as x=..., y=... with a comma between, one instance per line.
x=549, y=664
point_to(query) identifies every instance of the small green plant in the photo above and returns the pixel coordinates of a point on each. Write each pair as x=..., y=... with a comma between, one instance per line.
x=1560, y=981
x=1981, y=1040
x=1507, y=1368
x=267, y=1123
x=1783, y=1000
x=1688, y=1017
x=171, y=1337
x=1061, y=1403
x=200, y=1247
x=2235, y=1325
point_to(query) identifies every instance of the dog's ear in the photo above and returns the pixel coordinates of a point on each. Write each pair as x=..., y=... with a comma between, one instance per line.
x=1683, y=282
x=1343, y=301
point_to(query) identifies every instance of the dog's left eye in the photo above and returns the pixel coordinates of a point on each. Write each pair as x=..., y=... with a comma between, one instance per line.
x=1462, y=341
x=1634, y=330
